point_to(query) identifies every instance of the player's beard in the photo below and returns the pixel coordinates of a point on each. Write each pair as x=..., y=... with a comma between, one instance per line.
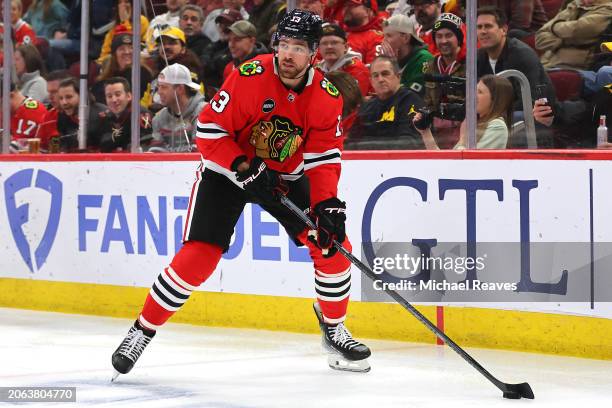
x=293, y=71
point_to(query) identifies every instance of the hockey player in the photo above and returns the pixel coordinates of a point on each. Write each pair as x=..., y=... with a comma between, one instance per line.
x=282, y=136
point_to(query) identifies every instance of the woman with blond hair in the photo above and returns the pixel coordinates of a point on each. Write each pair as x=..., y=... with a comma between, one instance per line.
x=494, y=97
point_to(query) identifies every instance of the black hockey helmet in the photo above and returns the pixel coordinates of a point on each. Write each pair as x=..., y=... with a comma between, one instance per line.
x=301, y=25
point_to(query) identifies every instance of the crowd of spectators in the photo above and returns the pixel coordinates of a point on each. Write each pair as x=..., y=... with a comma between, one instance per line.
x=400, y=65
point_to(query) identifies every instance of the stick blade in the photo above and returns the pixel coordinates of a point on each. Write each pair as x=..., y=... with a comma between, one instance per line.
x=518, y=391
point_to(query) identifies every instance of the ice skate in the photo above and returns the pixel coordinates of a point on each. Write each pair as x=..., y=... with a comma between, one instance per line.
x=345, y=353
x=130, y=349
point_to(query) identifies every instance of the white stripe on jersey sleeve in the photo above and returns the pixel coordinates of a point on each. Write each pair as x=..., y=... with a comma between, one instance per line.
x=210, y=131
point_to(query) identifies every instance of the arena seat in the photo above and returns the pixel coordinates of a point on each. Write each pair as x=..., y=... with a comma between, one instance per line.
x=568, y=83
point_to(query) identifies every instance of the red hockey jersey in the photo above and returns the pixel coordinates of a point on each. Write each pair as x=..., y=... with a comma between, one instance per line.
x=48, y=128
x=294, y=131
x=24, y=33
x=27, y=118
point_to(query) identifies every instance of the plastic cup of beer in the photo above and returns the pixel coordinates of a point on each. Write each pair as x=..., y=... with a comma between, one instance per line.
x=34, y=145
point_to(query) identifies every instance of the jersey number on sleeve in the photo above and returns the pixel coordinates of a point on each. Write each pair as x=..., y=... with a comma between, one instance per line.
x=28, y=130
x=218, y=104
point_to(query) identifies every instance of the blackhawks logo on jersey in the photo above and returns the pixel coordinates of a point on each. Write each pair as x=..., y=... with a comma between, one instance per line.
x=330, y=88
x=251, y=68
x=276, y=139
x=30, y=103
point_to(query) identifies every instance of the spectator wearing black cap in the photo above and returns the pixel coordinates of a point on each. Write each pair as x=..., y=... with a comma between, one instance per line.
x=120, y=65
x=217, y=55
x=265, y=15
x=402, y=43
x=191, y=20
x=448, y=34
x=337, y=56
x=243, y=45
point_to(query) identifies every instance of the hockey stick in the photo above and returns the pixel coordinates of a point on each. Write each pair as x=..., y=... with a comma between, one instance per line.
x=511, y=391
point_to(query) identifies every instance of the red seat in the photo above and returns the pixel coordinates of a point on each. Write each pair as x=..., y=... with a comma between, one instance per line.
x=75, y=71
x=568, y=83
x=552, y=7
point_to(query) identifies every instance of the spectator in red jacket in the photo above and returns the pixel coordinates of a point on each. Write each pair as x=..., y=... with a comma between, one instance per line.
x=337, y=56
x=363, y=24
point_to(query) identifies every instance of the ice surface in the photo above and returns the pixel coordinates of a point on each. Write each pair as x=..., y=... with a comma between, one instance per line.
x=190, y=366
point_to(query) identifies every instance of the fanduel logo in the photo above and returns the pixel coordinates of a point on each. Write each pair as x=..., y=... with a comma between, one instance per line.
x=19, y=216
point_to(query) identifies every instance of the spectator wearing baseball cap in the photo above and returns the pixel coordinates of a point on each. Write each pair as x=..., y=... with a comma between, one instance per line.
x=243, y=45
x=173, y=50
x=402, y=43
x=163, y=21
x=211, y=9
x=363, y=25
x=264, y=15
x=337, y=56
x=218, y=20
x=217, y=55
x=182, y=102
x=119, y=64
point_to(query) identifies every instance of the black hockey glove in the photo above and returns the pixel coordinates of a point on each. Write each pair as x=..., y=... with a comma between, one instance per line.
x=329, y=216
x=261, y=182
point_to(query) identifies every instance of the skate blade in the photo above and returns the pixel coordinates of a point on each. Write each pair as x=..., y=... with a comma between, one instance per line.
x=340, y=364
x=115, y=375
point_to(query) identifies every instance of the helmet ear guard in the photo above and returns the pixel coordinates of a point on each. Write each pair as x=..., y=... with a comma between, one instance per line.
x=300, y=25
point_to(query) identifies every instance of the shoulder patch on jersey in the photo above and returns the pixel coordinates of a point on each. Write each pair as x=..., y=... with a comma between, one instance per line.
x=251, y=68
x=276, y=139
x=330, y=88
x=31, y=104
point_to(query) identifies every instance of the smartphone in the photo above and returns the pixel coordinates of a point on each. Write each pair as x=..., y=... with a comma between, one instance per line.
x=541, y=96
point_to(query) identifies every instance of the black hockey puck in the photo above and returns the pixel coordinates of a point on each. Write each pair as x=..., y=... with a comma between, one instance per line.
x=512, y=395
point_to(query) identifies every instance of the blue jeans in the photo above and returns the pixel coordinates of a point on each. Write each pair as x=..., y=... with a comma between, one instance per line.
x=595, y=81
